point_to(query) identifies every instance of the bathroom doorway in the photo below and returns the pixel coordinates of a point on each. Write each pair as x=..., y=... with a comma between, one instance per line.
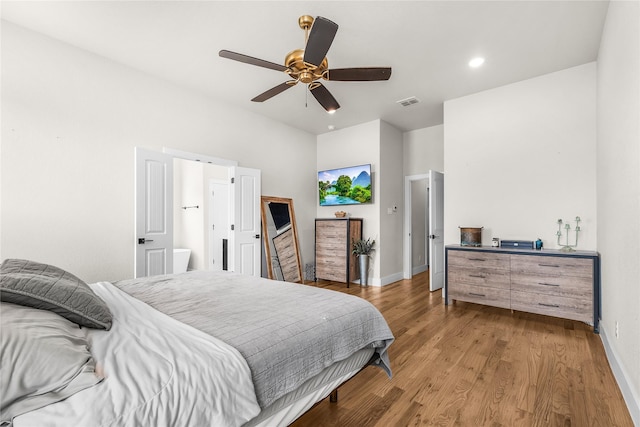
x=158, y=212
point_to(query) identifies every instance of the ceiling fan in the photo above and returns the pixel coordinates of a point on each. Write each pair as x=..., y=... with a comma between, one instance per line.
x=310, y=64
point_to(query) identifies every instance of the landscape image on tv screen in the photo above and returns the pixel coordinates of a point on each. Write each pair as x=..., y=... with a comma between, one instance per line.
x=345, y=186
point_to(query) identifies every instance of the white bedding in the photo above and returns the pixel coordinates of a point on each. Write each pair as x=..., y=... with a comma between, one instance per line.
x=159, y=372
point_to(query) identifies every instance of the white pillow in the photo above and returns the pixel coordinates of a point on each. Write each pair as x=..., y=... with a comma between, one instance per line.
x=44, y=357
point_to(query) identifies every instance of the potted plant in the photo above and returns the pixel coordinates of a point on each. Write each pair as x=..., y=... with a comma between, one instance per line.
x=363, y=249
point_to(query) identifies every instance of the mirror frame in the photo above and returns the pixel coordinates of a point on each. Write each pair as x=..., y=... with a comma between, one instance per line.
x=267, y=238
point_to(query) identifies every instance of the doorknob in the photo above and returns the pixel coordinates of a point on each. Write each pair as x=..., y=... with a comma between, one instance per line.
x=257, y=236
x=142, y=240
x=432, y=236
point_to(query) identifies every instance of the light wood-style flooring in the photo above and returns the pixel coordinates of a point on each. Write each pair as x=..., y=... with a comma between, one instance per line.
x=471, y=365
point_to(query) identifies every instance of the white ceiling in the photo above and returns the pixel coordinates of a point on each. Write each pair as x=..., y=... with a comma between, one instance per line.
x=427, y=43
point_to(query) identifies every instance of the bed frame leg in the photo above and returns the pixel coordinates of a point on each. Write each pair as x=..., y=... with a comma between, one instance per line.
x=333, y=397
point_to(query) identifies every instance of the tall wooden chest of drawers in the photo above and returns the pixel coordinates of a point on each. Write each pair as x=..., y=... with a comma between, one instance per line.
x=334, y=260
x=549, y=282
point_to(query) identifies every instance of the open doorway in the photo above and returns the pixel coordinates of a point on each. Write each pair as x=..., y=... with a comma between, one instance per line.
x=415, y=254
x=155, y=210
x=200, y=226
x=423, y=227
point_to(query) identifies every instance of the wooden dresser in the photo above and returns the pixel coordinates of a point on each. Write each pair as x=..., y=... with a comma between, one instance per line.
x=334, y=260
x=549, y=282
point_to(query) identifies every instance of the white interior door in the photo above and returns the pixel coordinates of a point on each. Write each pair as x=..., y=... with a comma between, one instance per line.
x=436, y=230
x=153, y=213
x=244, y=242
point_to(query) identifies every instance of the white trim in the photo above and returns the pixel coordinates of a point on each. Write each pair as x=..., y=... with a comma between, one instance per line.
x=619, y=373
x=419, y=269
x=387, y=280
x=199, y=157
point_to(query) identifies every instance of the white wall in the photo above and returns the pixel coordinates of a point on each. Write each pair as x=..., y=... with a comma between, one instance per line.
x=391, y=196
x=70, y=122
x=519, y=157
x=355, y=145
x=380, y=144
x=423, y=150
x=618, y=183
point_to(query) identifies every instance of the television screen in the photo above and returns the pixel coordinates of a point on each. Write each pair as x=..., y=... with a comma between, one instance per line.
x=345, y=186
x=280, y=214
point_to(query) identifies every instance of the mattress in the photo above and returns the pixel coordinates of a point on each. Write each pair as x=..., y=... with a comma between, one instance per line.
x=291, y=406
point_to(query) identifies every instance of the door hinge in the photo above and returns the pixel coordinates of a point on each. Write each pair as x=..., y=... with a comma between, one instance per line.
x=232, y=227
x=233, y=180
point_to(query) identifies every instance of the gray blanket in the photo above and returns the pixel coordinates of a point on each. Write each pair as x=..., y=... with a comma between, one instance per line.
x=286, y=332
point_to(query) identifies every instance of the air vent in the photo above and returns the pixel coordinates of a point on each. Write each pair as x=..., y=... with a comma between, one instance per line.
x=408, y=101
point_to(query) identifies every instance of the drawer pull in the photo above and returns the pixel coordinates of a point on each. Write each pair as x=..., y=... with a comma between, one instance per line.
x=476, y=295
x=549, y=305
x=478, y=275
x=547, y=284
x=476, y=259
x=549, y=265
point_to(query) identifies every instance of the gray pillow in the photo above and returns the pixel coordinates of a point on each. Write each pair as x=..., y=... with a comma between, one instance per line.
x=51, y=288
x=44, y=359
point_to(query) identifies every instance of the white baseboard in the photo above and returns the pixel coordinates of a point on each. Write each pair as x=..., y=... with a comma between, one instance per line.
x=630, y=397
x=387, y=280
x=419, y=269
x=392, y=278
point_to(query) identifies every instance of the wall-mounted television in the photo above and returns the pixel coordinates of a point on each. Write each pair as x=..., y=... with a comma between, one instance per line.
x=280, y=215
x=345, y=186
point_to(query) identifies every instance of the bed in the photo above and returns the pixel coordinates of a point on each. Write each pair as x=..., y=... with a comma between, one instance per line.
x=197, y=348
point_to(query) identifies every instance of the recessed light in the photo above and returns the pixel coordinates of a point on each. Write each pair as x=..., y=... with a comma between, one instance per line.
x=331, y=111
x=476, y=62
x=331, y=127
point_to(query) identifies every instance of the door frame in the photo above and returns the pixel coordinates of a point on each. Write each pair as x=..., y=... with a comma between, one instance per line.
x=407, y=269
x=185, y=155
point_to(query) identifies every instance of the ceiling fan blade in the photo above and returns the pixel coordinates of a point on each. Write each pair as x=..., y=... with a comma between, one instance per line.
x=320, y=38
x=274, y=91
x=324, y=97
x=360, y=74
x=251, y=60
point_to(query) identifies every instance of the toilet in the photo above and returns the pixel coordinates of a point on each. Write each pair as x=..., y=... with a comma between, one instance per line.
x=181, y=260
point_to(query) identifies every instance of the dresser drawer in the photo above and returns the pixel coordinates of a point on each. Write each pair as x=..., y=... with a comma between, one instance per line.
x=473, y=259
x=482, y=277
x=334, y=268
x=331, y=247
x=552, y=266
x=564, y=286
x=486, y=296
x=567, y=308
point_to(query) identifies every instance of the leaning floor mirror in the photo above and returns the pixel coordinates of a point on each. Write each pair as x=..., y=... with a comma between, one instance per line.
x=281, y=248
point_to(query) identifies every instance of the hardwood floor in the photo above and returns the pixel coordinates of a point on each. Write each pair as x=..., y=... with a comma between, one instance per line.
x=471, y=365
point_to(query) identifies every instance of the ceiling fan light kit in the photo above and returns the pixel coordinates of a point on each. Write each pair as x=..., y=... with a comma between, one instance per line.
x=310, y=64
